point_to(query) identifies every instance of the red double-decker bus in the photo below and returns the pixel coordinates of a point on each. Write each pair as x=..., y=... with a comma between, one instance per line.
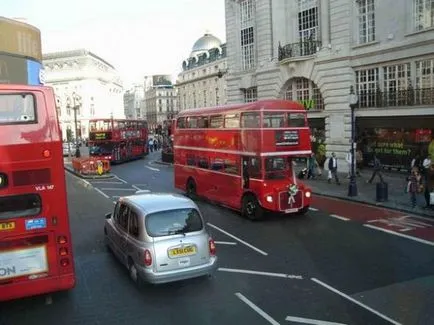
x=35, y=241
x=241, y=156
x=118, y=140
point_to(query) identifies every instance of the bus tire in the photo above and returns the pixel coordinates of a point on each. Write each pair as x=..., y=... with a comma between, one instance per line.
x=191, y=188
x=251, y=208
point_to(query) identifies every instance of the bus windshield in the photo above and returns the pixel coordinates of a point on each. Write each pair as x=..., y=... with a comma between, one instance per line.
x=101, y=149
x=276, y=168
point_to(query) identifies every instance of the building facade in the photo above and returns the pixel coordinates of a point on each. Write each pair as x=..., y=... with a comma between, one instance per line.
x=202, y=81
x=313, y=51
x=84, y=81
x=160, y=100
x=133, y=98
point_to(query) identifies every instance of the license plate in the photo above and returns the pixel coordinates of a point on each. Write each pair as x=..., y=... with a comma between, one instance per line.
x=182, y=251
x=291, y=210
x=7, y=226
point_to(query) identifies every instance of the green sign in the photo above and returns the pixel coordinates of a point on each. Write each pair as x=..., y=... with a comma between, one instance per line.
x=308, y=104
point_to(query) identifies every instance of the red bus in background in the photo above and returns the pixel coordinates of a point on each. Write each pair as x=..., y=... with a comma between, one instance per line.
x=118, y=140
x=35, y=240
x=241, y=156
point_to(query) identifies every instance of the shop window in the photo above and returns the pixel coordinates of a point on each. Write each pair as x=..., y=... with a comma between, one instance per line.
x=274, y=120
x=232, y=121
x=250, y=120
x=216, y=121
x=296, y=120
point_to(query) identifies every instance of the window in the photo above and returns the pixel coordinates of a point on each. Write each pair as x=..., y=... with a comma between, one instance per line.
x=231, y=167
x=202, y=122
x=308, y=30
x=204, y=98
x=134, y=224
x=191, y=160
x=180, y=123
x=192, y=122
x=306, y=92
x=247, y=11
x=232, y=121
x=396, y=82
x=274, y=120
x=275, y=168
x=423, y=14
x=20, y=206
x=172, y=222
x=367, y=87
x=425, y=82
x=17, y=108
x=296, y=120
x=216, y=121
x=203, y=163
x=123, y=217
x=250, y=120
x=366, y=13
x=217, y=98
x=254, y=168
x=250, y=94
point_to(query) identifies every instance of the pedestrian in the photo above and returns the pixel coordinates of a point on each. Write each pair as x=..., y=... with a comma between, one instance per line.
x=413, y=185
x=333, y=169
x=151, y=145
x=429, y=187
x=311, y=166
x=377, y=170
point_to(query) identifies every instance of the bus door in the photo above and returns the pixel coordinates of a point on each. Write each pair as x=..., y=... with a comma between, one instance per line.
x=245, y=177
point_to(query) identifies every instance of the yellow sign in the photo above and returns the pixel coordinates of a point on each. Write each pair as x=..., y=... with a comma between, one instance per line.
x=20, y=39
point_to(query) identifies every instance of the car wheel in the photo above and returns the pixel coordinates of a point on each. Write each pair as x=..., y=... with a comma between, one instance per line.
x=251, y=208
x=191, y=189
x=134, y=274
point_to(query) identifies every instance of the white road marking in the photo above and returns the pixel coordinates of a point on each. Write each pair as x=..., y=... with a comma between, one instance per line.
x=339, y=217
x=225, y=243
x=312, y=209
x=107, y=182
x=152, y=168
x=117, y=189
x=277, y=275
x=139, y=189
x=419, y=240
x=355, y=301
x=257, y=309
x=80, y=179
x=310, y=321
x=101, y=192
x=122, y=180
x=238, y=239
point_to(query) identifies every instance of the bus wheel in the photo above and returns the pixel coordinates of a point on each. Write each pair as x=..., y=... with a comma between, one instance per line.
x=191, y=189
x=251, y=208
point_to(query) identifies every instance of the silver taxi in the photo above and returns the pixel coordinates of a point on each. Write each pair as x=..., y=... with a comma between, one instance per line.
x=160, y=238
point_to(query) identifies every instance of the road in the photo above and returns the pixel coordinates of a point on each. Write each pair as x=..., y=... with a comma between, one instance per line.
x=343, y=263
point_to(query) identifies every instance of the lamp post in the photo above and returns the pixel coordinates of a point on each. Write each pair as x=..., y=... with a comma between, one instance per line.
x=77, y=103
x=352, y=186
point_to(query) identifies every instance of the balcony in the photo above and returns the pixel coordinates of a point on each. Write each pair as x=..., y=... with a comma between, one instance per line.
x=396, y=98
x=298, y=50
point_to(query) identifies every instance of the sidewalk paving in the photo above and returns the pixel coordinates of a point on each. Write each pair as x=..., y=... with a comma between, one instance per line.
x=397, y=198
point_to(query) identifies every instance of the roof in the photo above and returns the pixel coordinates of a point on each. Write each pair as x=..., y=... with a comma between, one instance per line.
x=74, y=53
x=259, y=105
x=155, y=202
x=205, y=43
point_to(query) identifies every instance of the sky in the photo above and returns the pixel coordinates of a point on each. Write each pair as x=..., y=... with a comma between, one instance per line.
x=138, y=37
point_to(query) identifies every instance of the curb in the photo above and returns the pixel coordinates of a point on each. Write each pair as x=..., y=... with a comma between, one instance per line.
x=159, y=162
x=377, y=205
x=89, y=177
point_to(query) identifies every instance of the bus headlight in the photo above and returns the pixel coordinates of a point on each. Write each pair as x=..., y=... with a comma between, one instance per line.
x=308, y=194
x=269, y=198
x=3, y=180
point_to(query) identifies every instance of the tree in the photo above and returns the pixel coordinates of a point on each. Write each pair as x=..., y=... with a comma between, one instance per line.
x=69, y=135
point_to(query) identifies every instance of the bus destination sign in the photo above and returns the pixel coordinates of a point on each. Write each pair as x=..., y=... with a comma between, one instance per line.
x=287, y=137
x=100, y=136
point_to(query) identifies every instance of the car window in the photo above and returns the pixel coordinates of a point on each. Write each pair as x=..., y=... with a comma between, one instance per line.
x=134, y=224
x=122, y=219
x=171, y=222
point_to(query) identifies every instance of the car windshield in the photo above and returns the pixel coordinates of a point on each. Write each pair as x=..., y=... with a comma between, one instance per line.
x=171, y=222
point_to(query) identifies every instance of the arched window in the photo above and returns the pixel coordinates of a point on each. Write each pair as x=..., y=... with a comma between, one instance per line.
x=305, y=91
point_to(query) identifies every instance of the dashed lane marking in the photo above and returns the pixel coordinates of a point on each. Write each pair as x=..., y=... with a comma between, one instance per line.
x=152, y=168
x=310, y=321
x=339, y=217
x=225, y=243
x=257, y=309
x=122, y=180
x=102, y=193
x=271, y=274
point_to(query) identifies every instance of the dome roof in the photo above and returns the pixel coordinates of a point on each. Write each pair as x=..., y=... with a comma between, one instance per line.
x=205, y=43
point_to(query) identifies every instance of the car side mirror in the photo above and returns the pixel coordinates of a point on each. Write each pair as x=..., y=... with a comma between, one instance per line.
x=108, y=215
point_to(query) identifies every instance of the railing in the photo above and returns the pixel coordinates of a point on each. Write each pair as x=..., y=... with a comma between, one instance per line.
x=405, y=97
x=300, y=49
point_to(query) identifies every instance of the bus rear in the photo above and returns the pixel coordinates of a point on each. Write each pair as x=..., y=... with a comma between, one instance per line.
x=35, y=241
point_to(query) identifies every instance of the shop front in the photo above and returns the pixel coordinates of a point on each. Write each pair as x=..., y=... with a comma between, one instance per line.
x=395, y=140
x=318, y=139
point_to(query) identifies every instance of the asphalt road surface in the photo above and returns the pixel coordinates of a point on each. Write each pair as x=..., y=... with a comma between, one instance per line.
x=343, y=263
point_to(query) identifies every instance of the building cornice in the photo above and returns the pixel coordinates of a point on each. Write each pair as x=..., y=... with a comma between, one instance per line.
x=208, y=76
x=74, y=53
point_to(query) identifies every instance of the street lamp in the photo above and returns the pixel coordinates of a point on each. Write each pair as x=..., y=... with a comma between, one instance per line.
x=77, y=103
x=353, y=100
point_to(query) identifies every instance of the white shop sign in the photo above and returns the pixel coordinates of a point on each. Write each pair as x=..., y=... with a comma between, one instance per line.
x=22, y=262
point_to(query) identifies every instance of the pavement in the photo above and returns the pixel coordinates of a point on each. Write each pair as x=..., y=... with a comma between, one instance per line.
x=342, y=263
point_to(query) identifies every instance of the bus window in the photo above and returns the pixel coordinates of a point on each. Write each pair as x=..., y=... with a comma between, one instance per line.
x=254, y=168
x=250, y=120
x=17, y=108
x=216, y=121
x=275, y=168
x=180, y=123
x=274, y=120
x=296, y=120
x=92, y=126
x=231, y=167
x=217, y=164
x=203, y=163
x=192, y=122
x=232, y=121
x=202, y=122
x=191, y=160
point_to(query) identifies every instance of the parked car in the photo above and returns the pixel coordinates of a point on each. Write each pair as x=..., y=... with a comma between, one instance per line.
x=160, y=238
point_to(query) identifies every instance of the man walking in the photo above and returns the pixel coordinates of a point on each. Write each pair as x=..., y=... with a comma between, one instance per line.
x=333, y=169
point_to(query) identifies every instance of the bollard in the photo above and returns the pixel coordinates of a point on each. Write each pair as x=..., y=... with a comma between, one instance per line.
x=382, y=192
